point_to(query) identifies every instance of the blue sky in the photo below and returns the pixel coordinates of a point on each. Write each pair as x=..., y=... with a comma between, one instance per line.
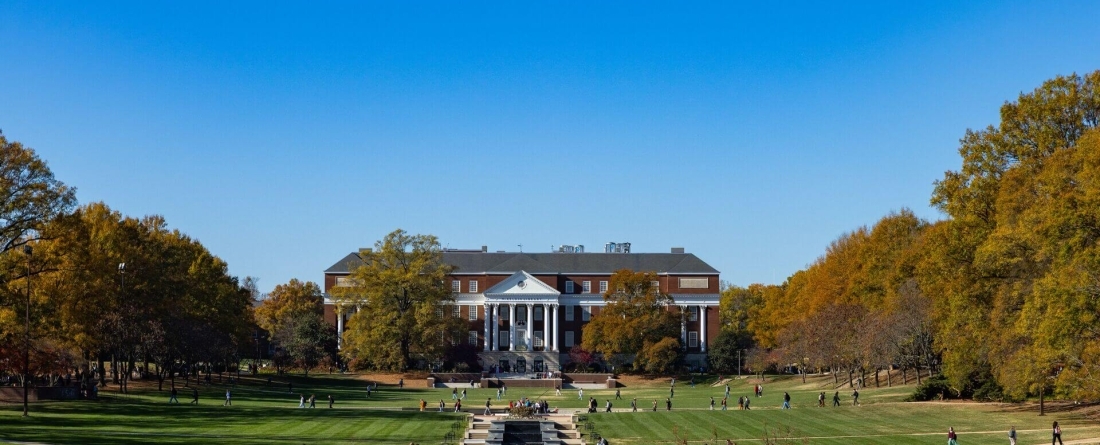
x=284, y=135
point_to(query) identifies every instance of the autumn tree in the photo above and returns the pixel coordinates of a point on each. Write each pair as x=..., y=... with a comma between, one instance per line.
x=636, y=316
x=400, y=292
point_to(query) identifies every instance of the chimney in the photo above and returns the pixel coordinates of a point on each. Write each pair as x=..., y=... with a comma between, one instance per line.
x=365, y=251
x=484, y=249
x=677, y=250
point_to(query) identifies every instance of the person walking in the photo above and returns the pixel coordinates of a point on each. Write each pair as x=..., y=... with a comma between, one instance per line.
x=654, y=405
x=712, y=403
x=312, y=400
x=855, y=398
x=330, y=401
x=634, y=405
x=1056, y=432
x=725, y=401
x=580, y=394
x=671, y=392
x=228, y=398
x=821, y=400
x=557, y=391
x=301, y=400
x=441, y=405
x=488, y=406
x=617, y=396
x=836, y=398
x=692, y=381
x=458, y=405
x=1012, y=435
x=668, y=404
x=463, y=393
x=499, y=394
x=173, y=398
x=400, y=383
x=194, y=396
x=747, y=403
x=454, y=393
x=727, y=391
x=952, y=438
x=607, y=408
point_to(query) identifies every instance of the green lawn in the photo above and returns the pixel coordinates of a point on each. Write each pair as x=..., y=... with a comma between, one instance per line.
x=269, y=414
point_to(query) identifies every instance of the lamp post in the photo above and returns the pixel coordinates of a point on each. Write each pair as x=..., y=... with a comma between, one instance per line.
x=27, y=333
x=121, y=289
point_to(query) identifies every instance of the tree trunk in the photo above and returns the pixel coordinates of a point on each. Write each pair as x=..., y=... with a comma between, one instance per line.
x=904, y=376
x=889, y=383
x=1042, y=406
x=835, y=381
x=849, y=377
x=876, y=376
x=802, y=369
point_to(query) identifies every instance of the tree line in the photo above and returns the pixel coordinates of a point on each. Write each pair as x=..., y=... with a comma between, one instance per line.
x=81, y=286
x=1001, y=297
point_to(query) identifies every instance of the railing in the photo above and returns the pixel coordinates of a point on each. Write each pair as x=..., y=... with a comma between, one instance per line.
x=456, y=434
x=586, y=426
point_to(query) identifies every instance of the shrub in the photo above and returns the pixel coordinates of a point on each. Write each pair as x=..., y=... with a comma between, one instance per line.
x=931, y=389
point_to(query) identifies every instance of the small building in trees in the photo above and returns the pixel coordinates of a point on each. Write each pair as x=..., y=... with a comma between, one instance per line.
x=525, y=311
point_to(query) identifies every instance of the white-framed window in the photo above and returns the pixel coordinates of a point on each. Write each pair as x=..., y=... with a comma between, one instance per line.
x=473, y=286
x=656, y=285
x=693, y=313
x=586, y=313
x=473, y=338
x=603, y=287
x=473, y=312
x=569, y=315
x=503, y=313
x=569, y=286
x=457, y=311
x=586, y=286
x=568, y=339
x=538, y=313
x=504, y=337
x=693, y=339
x=538, y=339
x=343, y=281
x=456, y=285
x=439, y=312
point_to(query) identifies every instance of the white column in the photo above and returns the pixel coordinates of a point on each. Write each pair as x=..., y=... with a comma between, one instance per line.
x=545, y=327
x=339, y=327
x=530, y=327
x=555, y=338
x=683, y=326
x=496, y=325
x=512, y=327
x=487, y=316
x=703, y=328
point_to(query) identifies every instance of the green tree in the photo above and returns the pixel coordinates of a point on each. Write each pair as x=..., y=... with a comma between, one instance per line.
x=400, y=292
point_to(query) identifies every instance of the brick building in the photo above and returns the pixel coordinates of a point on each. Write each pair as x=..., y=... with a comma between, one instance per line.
x=526, y=310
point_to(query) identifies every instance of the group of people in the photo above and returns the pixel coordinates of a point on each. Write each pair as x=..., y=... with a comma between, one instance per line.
x=313, y=401
x=1056, y=435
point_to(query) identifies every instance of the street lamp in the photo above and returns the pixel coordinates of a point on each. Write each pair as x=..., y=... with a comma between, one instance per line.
x=121, y=289
x=27, y=337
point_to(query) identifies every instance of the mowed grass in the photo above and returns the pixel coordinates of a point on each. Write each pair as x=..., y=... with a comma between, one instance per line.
x=882, y=417
x=269, y=414
x=261, y=414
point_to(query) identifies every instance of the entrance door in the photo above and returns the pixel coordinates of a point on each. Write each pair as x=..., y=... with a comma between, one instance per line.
x=503, y=365
x=537, y=365
x=521, y=365
x=521, y=340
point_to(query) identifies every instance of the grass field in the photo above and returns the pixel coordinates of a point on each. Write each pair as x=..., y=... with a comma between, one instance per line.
x=269, y=414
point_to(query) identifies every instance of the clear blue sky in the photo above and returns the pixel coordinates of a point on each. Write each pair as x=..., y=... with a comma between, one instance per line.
x=284, y=136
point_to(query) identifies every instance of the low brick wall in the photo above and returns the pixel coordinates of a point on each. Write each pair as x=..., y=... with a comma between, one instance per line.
x=521, y=383
x=599, y=378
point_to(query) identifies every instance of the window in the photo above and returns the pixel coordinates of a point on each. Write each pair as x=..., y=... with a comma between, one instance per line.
x=343, y=281
x=569, y=315
x=569, y=286
x=693, y=313
x=656, y=285
x=568, y=339
x=587, y=286
x=586, y=313
x=538, y=313
x=603, y=287
x=473, y=312
x=694, y=283
x=473, y=286
x=457, y=311
x=439, y=312
x=504, y=313
x=504, y=336
x=473, y=338
x=538, y=339
x=456, y=286
x=693, y=339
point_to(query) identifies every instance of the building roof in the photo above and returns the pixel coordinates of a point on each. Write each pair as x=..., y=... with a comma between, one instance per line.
x=556, y=263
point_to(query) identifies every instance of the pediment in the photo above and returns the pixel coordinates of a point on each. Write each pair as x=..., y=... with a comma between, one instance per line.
x=522, y=283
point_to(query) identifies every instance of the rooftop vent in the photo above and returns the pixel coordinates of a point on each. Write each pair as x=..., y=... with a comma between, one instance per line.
x=566, y=248
x=616, y=248
x=677, y=250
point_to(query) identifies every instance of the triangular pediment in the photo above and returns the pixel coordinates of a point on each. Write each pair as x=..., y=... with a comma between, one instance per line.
x=522, y=283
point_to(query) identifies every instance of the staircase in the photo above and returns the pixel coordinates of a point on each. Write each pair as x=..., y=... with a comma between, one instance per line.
x=549, y=430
